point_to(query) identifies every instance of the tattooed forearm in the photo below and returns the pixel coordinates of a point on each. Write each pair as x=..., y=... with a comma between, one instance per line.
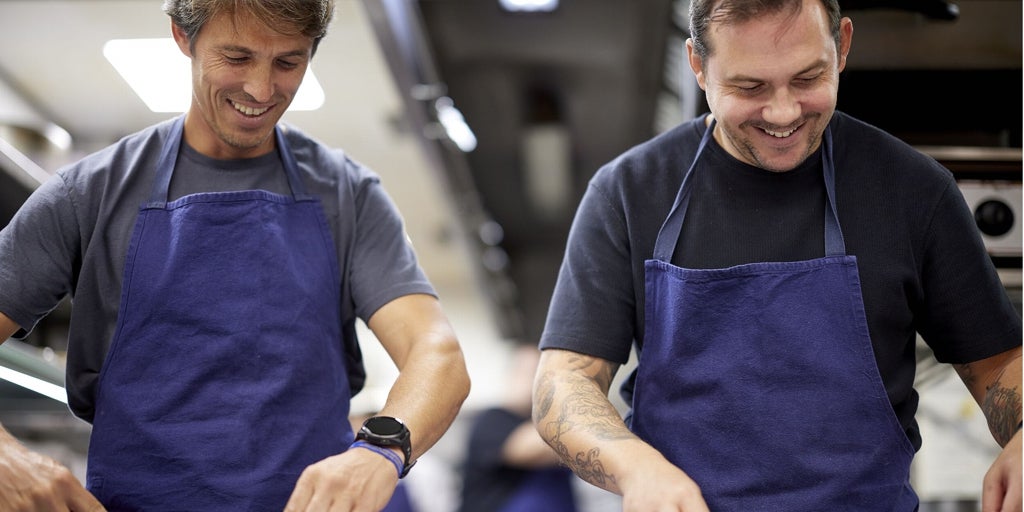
x=997, y=391
x=1002, y=407
x=588, y=467
x=575, y=401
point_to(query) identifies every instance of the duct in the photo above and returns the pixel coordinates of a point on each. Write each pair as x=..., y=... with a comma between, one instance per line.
x=400, y=32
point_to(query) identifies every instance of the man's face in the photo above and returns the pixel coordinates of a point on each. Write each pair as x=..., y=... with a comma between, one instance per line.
x=772, y=83
x=244, y=76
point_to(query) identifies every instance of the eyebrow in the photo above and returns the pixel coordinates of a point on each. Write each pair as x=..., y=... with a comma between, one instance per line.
x=242, y=49
x=808, y=69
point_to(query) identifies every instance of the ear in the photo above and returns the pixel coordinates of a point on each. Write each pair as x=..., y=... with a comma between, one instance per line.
x=182, y=39
x=696, y=64
x=845, y=40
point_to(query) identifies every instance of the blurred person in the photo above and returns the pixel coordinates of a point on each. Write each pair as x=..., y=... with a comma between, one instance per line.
x=218, y=262
x=507, y=466
x=772, y=263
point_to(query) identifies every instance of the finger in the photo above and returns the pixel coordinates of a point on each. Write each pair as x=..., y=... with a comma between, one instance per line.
x=84, y=501
x=993, y=494
x=299, y=500
x=321, y=502
x=1012, y=500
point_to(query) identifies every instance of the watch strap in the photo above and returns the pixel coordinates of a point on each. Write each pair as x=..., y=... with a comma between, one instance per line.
x=388, y=454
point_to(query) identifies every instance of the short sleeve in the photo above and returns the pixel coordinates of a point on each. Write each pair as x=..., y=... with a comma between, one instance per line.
x=592, y=309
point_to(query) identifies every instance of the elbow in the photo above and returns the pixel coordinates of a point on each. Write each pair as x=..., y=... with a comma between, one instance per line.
x=457, y=374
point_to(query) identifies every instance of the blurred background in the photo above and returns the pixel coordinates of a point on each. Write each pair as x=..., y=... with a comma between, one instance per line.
x=485, y=120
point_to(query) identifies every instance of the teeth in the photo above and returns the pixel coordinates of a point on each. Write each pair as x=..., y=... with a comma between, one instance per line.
x=249, y=111
x=780, y=135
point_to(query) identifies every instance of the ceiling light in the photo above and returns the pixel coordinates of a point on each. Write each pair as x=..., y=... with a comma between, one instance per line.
x=529, y=5
x=455, y=125
x=161, y=75
x=35, y=384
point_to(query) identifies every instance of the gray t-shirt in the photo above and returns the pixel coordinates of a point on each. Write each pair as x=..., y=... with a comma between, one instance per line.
x=71, y=237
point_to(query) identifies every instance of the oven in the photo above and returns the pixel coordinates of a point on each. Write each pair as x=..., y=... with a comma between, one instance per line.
x=990, y=180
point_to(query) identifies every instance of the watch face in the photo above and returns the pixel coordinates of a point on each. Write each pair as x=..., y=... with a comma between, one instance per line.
x=384, y=426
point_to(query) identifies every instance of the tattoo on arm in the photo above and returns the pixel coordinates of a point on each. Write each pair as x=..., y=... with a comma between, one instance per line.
x=581, y=409
x=1001, y=405
x=1002, y=408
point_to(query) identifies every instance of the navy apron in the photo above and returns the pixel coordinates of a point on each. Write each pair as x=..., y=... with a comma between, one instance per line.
x=543, y=490
x=225, y=377
x=760, y=382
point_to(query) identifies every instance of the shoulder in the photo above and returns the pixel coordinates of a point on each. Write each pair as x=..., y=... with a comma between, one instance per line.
x=862, y=144
x=326, y=165
x=649, y=173
x=872, y=163
x=131, y=153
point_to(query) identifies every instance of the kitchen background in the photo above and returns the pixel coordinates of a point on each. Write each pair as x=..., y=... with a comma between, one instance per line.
x=545, y=98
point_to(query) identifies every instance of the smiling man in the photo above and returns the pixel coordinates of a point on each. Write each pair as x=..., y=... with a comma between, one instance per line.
x=218, y=262
x=773, y=263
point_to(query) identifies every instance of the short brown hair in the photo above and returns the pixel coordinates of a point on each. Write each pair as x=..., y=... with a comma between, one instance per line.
x=307, y=17
x=705, y=12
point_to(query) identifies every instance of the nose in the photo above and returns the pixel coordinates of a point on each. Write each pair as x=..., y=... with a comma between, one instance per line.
x=259, y=83
x=783, y=108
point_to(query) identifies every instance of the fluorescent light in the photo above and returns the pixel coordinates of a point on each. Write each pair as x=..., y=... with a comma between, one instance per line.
x=455, y=125
x=32, y=383
x=529, y=5
x=162, y=77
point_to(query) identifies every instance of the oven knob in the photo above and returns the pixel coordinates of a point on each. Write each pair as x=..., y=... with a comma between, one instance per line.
x=994, y=217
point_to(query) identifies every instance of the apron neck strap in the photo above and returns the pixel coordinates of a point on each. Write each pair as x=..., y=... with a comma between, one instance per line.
x=668, y=236
x=169, y=156
x=834, y=243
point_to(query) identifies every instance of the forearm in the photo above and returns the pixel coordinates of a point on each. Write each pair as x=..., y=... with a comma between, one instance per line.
x=429, y=392
x=995, y=384
x=573, y=415
x=432, y=380
x=1002, y=403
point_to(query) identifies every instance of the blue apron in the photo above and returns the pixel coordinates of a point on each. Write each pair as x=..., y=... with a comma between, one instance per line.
x=543, y=490
x=760, y=382
x=225, y=377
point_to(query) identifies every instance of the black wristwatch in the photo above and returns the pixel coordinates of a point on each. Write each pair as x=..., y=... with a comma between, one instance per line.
x=388, y=431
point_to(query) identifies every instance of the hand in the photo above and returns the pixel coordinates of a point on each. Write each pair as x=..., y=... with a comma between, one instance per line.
x=662, y=487
x=1001, y=490
x=355, y=481
x=31, y=482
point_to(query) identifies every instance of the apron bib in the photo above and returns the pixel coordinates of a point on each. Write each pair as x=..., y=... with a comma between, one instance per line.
x=760, y=382
x=225, y=377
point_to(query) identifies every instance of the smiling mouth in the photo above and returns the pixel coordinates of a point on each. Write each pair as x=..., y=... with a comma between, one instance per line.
x=249, y=111
x=780, y=135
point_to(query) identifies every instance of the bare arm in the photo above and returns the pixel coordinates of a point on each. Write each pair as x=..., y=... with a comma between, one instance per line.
x=431, y=386
x=995, y=384
x=432, y=381
x=573, y=414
